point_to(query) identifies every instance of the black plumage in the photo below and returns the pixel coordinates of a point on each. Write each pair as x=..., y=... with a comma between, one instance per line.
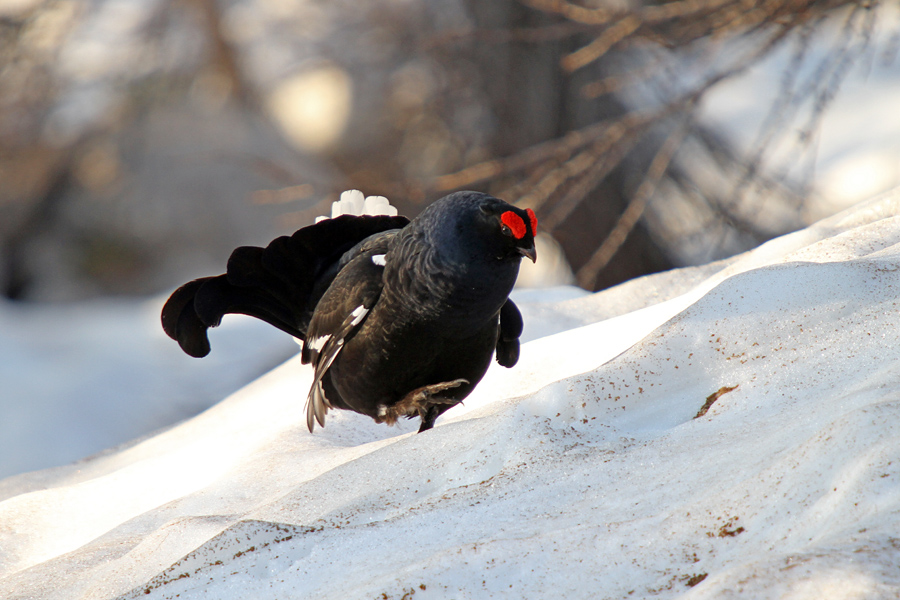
x=399, y=318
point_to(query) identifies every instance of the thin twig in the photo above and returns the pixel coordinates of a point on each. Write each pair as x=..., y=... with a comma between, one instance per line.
x=601, y=44
x=608, y=160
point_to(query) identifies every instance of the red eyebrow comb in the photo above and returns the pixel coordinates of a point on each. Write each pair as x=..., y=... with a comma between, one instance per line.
x=515, y=223
x=533, y=218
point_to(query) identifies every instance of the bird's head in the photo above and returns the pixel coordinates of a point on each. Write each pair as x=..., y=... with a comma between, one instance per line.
x=520, y=230
x=473, y=226
x=508, y=231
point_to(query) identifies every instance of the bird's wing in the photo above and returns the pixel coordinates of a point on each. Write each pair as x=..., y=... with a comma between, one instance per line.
x=279, y=284
x=511, y=326
x=339, y=314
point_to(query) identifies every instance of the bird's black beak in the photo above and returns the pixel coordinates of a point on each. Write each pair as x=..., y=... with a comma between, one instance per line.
x=530, y=252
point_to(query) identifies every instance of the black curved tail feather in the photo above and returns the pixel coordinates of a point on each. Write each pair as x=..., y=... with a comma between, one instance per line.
x=181, y=322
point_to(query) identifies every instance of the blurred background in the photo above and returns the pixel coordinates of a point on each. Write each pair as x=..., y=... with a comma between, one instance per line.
x=142, y=140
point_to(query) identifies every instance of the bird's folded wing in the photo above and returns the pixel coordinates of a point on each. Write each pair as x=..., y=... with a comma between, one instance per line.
x=339, y=314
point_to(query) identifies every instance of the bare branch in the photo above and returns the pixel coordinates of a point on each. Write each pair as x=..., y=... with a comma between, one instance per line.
x=587, y=274
x=601, y=44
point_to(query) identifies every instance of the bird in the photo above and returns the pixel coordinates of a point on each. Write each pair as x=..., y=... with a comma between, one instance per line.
x=398, y=318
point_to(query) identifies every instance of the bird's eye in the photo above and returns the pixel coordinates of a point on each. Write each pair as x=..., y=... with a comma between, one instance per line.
x=506, y=230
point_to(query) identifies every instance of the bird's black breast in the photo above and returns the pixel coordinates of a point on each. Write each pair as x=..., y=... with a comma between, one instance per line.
x=392, y=354
x=456, y=295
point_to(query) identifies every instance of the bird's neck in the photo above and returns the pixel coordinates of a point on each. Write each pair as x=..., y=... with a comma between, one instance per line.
x=454, y=289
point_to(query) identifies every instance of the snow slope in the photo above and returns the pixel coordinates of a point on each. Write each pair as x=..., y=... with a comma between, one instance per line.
x=717, y=432
x=79, y=378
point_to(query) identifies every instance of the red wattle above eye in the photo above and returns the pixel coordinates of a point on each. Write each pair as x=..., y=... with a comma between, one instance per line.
x=533, y=218
x=515, y=223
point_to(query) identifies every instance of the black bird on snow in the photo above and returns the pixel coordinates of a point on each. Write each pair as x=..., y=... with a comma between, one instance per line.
x=399, y=318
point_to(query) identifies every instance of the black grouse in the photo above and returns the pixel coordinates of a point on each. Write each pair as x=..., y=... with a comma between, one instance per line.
x=399, y=318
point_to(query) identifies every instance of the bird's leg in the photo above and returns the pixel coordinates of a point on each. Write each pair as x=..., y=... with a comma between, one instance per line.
x=426, y=401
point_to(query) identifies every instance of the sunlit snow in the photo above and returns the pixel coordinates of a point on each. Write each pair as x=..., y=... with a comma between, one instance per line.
x=80, y=378
x=716, y=432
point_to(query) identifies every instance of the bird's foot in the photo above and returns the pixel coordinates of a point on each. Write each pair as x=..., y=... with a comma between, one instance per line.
x=427, y=402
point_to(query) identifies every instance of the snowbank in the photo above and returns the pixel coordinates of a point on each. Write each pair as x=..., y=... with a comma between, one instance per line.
x=80, y=378
x=727, y=431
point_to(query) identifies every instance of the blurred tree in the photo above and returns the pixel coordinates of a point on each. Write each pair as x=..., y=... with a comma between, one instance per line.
x=618, y=122
x=140, y=142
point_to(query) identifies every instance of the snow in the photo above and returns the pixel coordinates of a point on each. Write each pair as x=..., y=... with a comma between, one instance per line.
x=80, y=378
x=589, y=470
